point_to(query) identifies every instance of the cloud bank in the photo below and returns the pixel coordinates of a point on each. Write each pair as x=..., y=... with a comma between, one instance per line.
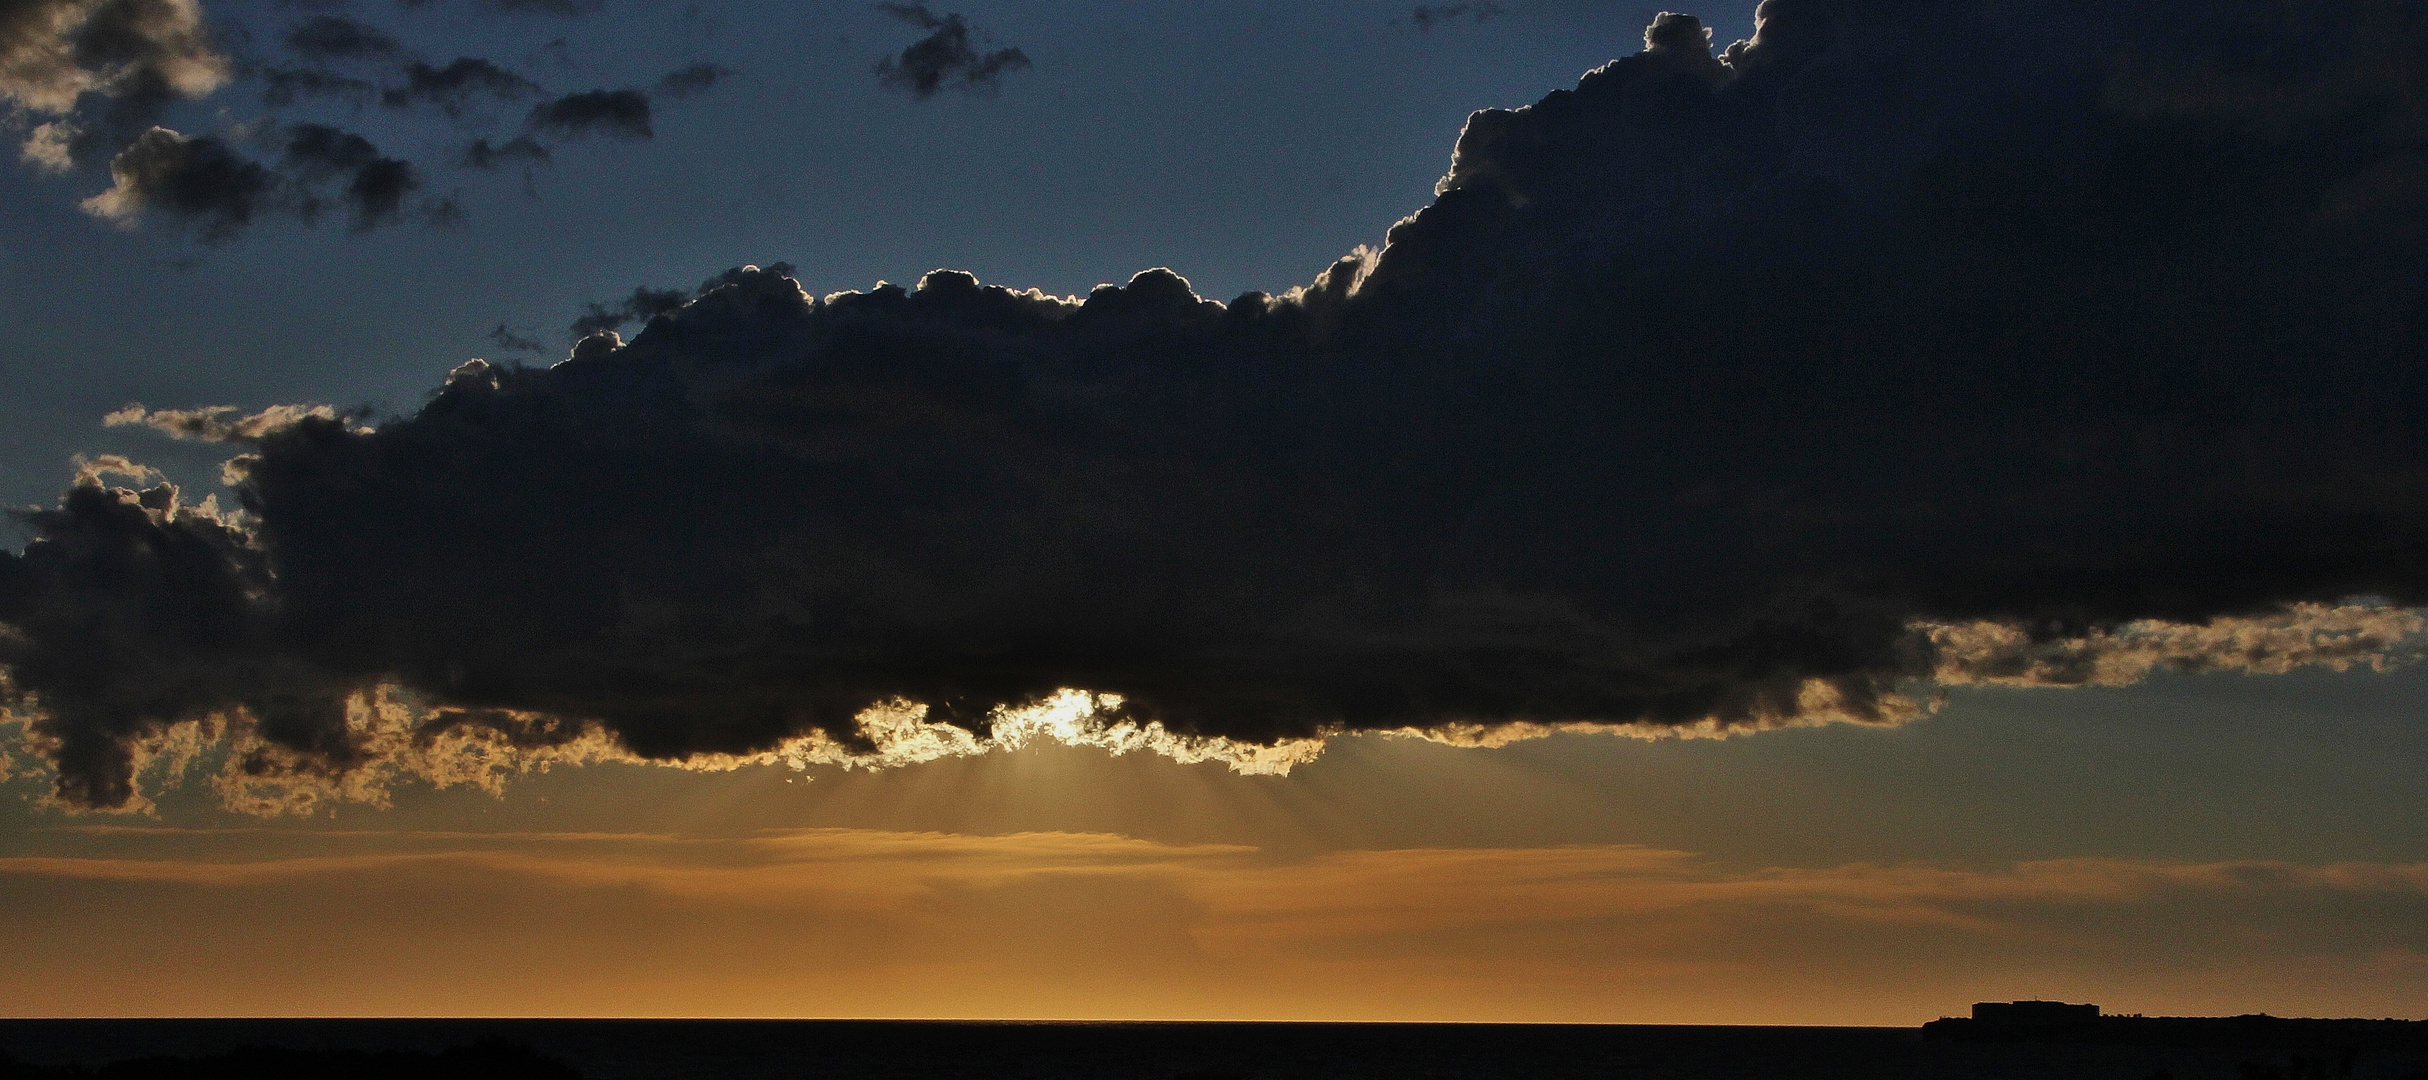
x=1901, y=343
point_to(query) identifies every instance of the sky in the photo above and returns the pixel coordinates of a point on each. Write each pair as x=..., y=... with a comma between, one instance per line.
x=1922, y=506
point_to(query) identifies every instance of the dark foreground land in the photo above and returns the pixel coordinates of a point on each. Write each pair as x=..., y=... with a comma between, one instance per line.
x=2231, y=1049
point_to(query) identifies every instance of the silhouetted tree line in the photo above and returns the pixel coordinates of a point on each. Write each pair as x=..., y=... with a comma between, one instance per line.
x=488, y=1060
x=2299, y=1067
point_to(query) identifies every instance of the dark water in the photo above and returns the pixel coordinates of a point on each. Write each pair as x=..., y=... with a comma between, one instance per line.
x=918, y=1050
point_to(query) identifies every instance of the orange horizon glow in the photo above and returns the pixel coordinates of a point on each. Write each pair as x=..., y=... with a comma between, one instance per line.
x=866, y=924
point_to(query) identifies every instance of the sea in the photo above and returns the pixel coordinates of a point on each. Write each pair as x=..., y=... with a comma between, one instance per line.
x=39, y=1049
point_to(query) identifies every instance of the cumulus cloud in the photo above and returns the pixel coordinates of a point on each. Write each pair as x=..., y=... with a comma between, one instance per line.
x=371, y=187
x=206, y=184
x=91, y=471
x=2303, y=635
x=622, y=114
x=50, y=147
x=199, y=181
x=85, y=79
x=218, y=423
x=53, y=52
x=1704, y=398
x=945, y=57
x=133, y=56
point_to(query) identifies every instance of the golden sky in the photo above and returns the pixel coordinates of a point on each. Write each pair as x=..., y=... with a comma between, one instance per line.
x=2140, y=848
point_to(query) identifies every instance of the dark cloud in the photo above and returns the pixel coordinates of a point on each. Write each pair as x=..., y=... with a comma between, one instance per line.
x=1426, y=16
x=284, y=86
x=567, y=8
x=372, y=187
x=53, y=52
x=110, y=123
x=446, y=211
x=198, y=181
x=557, y=52
x=507, y=339
x=623, y=114
x=87, y=78
x=204, y=183
x=944, y=58
x=521, y=150
x=98, y=73
x=696, y=79
x=453, y=87
x=318, y=149
x=335, y=37
x=156, y=595
x=1964, y=341
x=643, y=305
